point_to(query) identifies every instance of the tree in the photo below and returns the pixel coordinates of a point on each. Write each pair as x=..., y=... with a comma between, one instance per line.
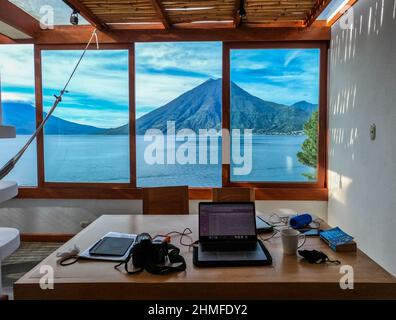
x=309, y=149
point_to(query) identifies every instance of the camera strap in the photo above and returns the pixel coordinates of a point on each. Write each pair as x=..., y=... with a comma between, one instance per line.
x=177, y=263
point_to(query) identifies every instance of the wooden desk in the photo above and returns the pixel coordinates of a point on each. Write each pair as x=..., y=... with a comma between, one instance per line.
x=287, y=278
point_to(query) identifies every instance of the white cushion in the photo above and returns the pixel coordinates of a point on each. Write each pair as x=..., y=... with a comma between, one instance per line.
x=9, y=242
x=8, y=190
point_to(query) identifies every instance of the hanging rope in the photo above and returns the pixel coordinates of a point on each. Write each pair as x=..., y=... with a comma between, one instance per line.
x=6, y=169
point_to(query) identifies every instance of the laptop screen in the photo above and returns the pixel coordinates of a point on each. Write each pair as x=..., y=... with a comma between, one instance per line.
x=227, y=221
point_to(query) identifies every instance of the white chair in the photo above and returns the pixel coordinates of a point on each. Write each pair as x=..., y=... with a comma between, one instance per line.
x=9, y=243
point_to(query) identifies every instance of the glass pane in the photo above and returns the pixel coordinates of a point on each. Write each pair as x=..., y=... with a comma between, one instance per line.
x=17, y=77
x=274, y=107
x=332, y=8
x=87, y=138
x=42, y=10
x=178, y=88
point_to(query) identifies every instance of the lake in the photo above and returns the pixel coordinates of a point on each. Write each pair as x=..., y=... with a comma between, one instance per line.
x=90, y=158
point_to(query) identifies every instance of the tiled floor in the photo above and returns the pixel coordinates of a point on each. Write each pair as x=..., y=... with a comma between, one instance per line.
x=24, y=259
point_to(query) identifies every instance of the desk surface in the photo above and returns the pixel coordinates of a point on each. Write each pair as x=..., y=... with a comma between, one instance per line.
x=288, y=277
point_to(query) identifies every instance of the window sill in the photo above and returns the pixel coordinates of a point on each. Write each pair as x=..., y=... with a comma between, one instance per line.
x=128, y=193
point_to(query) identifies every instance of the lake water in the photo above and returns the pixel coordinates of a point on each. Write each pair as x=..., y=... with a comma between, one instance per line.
x=77, y=158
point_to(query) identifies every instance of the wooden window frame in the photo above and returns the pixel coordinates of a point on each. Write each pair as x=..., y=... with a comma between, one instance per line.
x=128, y=191
x=39, y=117
x=226, y=111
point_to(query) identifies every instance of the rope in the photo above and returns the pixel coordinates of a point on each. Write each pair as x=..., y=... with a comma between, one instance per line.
x=7, y=168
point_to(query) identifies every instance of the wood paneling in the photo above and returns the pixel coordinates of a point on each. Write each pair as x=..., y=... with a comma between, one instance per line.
x=132, y=116
x=173, y=200
x=169, y=13
x=161, y=13
x=37, y=237
x=6, y=40
x=233, y=195
x=38, y=87
x=289, y=277
x=81, y=34
x=317, y=9
x=110, y=192
x=18, y=19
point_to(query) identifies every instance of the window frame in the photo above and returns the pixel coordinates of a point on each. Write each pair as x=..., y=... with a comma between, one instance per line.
x=322, y=132
x=263, y=191
x=39, y=117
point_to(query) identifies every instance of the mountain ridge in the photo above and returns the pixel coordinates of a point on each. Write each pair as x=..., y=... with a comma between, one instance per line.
x=198, y=108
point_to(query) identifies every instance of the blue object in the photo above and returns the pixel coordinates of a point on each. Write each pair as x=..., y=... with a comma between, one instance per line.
x=335, y=237
x=300, y=221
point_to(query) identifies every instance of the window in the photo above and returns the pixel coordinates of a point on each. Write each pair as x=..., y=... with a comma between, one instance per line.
x=17, y=82
x=331, y=10
x=87, y=138
x=181, y=100
x=179, y=92
x=274, y=114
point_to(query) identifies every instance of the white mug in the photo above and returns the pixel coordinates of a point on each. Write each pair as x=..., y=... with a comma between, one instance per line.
x=290, y=239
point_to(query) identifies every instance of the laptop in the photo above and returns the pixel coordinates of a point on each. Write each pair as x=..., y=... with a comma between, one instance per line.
x=227, y=236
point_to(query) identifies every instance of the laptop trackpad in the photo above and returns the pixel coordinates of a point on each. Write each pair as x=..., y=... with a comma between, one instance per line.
x=250, y=255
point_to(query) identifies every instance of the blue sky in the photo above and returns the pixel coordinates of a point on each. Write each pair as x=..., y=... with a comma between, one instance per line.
x=99, y=92
x=282, y=75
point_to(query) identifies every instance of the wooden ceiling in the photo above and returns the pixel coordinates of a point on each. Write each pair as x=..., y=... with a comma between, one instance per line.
x=151, y=14
x=122, y=21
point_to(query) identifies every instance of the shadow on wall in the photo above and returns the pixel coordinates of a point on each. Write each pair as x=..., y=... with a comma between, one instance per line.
x=344, y=91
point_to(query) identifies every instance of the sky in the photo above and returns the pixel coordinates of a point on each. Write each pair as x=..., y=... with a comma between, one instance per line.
x=99, y=91
x=37, y=8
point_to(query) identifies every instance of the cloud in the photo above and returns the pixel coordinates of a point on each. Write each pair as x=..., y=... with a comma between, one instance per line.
x=106, y=118
x=199, y=57
x=289, y=76
x=17, y=66
x=20, y=97
x=291, y=56
x=157, y=90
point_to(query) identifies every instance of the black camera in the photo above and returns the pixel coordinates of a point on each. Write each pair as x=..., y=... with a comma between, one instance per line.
x=147, y=252
x=156, y=256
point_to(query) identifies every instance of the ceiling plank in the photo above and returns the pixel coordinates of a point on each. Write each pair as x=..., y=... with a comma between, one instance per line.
x=6, y=40
x=237, y=17
x=88, y=15
x=18, y=19
x=161, y=13
x=72, y=35
x=316, y=11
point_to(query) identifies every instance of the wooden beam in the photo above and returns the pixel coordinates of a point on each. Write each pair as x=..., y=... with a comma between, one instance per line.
x=6, y=40
x=316, y=11
x=237, y=17
x=18, y=19
x=88, y=15
x=161, y=13
x=46, y=237
x=286, y=193
x=340, y=12
x=81, y=34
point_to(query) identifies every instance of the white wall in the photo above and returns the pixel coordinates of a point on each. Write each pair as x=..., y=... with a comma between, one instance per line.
x=64, y=216
x=362, y=173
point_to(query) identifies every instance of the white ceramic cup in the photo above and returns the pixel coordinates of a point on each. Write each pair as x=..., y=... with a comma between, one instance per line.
x=290, y=241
